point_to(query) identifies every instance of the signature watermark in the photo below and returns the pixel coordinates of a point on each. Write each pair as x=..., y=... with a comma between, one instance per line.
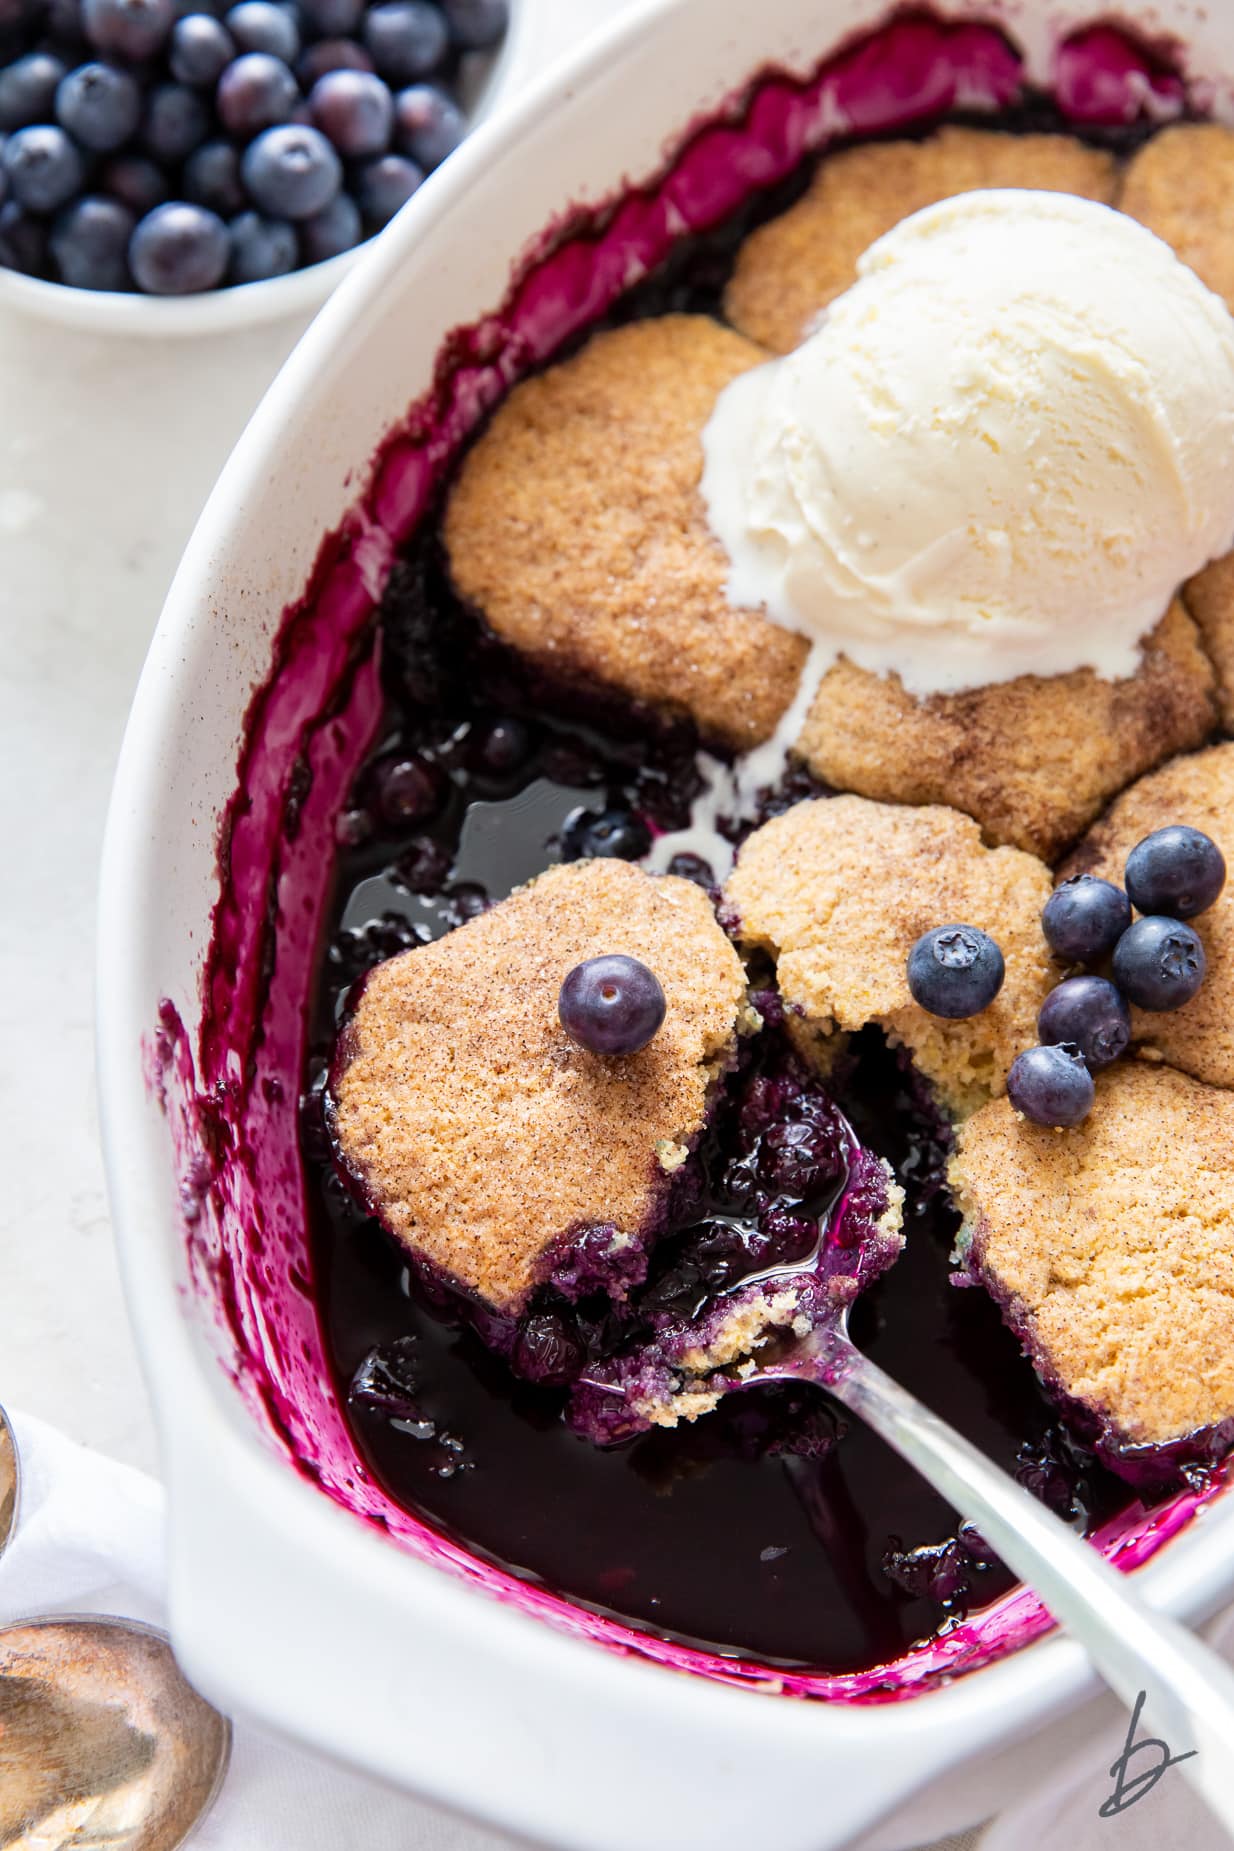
x=1129, y=1787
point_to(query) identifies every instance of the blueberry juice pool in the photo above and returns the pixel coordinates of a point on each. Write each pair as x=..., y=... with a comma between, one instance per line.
x=777, y=1529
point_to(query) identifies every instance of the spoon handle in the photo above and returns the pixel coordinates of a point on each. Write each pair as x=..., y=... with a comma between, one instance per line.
x=1151, y=1662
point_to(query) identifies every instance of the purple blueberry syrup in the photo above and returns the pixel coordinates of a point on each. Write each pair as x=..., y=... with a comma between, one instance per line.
x=774, y=1545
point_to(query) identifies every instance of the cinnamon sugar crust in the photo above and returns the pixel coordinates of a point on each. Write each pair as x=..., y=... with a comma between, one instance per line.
x=790, y=269
x=1111, y=1247
x=839, y=889
x=481, y=1135
x=577, y=529
x=1181, y=185
x=1032, y=760
x=1209, y=596
x=1198, y=790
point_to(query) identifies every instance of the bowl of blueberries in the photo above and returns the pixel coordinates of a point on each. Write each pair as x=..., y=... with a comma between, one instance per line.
x=179, y=166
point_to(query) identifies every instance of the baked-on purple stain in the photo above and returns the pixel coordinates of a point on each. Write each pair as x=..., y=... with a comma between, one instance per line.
x=231, y=1088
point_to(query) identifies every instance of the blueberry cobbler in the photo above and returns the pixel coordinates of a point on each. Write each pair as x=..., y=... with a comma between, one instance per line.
x=783, y=872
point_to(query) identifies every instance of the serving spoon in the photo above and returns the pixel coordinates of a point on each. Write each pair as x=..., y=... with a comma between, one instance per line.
x=1151, y=1662
x=102, y=1739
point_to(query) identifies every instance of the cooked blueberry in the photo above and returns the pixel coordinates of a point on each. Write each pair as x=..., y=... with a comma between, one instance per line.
x=329, y=233
x=201, y=50
x=428, y=124
x=44, y=168
x=548, y=1350
x=331, y=55
x=212, y=178
x=179, y=249
x=407, y=790
x=1051, y=1085
x=261, y=248
x=291, y=172
x=405, y=39
x=132, y=29
x=354, y=110
x=693, y=868
x=1177, y=871
x=333, y=19
x=1091, y=1014
x=955, y=971
x=1084, y=918
x=612, y=833
x=99, y=105
x=27, y=89
x=383, y=185
x=1159, y=963
x=23, y=240
x=255, y=93
x=476, y=24
x=800, y=1159
x=256, y=25
x=611, y=1005
x=503, y=746
x=90, y=242
x=176, y=121
x=138, y=183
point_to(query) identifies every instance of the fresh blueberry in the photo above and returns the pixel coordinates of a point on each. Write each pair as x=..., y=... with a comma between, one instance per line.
x=1084, y=918
x=23, y=240
x=548, y=1350
x=176, y=121
x=611, y=1005
x=428, y=124
x=407, y=789
x=291, y=172
x=90, y=243
x=384, y=185
x=503, y=746
x=331, y=55
x=99, y=106
x=201, y=50
x=257, y=25
x=955, y=971
x=1159, y=963
x=693, y=868
x=255, y=93
x=261, y=248
x=44, y=168
x=331, y=232
x=1051, y=1086
x=406, y=39
x=354, y=110
x=27, y=89
x=333, y=19
x=178, y=250
x=131, y=29
x=613, y=833
x=1091, y=1014
x=476, y=24
x=136, y=182
x=212, y=178
x=1178, y=871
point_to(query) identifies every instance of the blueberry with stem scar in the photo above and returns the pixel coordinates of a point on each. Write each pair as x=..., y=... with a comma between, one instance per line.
x=955, y=971
x=1159, y=963
x=1091, y=1014
x=611, y=1005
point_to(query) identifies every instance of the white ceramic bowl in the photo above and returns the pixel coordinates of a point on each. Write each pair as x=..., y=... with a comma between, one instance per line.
x=283, y=1604
x=540, y=30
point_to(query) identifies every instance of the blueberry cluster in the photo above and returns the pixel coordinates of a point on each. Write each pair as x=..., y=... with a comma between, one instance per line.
x=173, y=146
x=1156, y=962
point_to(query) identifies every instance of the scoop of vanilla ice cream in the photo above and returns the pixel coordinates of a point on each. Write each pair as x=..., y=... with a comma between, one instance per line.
x=1001, y=453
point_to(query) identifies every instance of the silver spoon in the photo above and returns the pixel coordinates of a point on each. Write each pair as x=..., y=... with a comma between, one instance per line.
x=1188, y=1691
x=105, y=1743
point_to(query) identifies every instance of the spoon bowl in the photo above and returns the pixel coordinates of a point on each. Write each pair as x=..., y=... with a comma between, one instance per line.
x=105, y=1741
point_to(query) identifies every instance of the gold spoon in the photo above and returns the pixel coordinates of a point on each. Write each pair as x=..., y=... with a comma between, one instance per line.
x=103, y=1742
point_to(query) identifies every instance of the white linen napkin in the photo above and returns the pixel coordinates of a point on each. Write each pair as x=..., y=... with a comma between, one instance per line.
x=89, y=1539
